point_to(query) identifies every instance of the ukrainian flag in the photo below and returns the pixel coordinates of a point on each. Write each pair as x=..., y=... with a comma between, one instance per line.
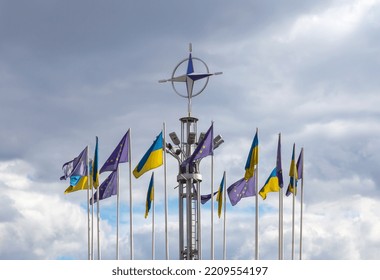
x=293, y=173
x=77, y=184
x=149, y=196
x=253, y=158
x=219, y=196
x=271, y=185
x=153, y=158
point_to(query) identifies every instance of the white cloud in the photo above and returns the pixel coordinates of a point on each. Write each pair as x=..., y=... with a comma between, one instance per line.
x=331, y=24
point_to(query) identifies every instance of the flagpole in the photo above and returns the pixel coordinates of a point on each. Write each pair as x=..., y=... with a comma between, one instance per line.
x=117, y=214
x=166, y=196
x=153, y=229
x=294, y=198
x=301, y=214
x=88, y=222
x=257, y=209
x=95, y=174
x=280, y=219
x=199, y=221
x=130, y=197
x=88, y=207
x=224, y=216
x=280, y=224
x=92, y=212
x=98, y=223
x=293, y=214
x=212, y=204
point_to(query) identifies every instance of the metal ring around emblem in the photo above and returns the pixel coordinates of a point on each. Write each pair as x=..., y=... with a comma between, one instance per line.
x=204, y=86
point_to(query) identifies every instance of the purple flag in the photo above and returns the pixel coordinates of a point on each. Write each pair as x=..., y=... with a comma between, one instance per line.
x=107, y=188
x=278, y=163
x=119, y=155
x=204, y=148
x=76, y=167
x=300, y=165
x=242, y=188
x=206, y=197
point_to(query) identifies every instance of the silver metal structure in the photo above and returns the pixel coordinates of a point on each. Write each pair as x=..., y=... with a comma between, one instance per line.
x=189, y=177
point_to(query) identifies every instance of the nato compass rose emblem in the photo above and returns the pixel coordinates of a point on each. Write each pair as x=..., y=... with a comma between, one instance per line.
x=190, y=77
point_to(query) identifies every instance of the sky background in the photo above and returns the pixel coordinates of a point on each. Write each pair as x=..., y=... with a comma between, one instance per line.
x=73, y=70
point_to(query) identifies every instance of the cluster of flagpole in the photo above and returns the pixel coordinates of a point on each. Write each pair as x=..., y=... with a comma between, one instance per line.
x=248, y=186
x=84, y=175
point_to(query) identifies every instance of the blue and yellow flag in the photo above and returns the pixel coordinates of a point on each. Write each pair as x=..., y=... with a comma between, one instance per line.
x=149, y=196
x=275, y=180
x=77, y=171
x=77, y=185
x=219, y=195
x=253, y=158
x=153, y=157
x=271, y=184
x=293, y=173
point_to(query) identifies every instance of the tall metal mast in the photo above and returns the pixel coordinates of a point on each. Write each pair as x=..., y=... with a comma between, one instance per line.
x=189, y=177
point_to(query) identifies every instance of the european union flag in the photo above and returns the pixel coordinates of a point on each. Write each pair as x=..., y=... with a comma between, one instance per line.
x=119, y=155
x=95, y=171
x=300, y=165
x=107, y=188
x=206, y=197
x=242, y=188
x=204, y=148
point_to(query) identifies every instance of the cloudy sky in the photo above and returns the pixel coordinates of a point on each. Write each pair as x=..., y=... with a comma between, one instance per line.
x=73, y=70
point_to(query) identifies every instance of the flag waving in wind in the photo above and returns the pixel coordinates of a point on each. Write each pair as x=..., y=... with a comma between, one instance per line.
x=271, y=184
x=78, y=185
x=77, y=171
x=153, y=157
x=119, y=155
x=107, y=188
x=219, y=196
x=300, y=165
x=241, y=188
x=253, y=158
x=275, y=180
x=204, y=148
x=293, y=173
x=149, y=196
x=95, y=171
x=206, y=197
x=76, y=167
